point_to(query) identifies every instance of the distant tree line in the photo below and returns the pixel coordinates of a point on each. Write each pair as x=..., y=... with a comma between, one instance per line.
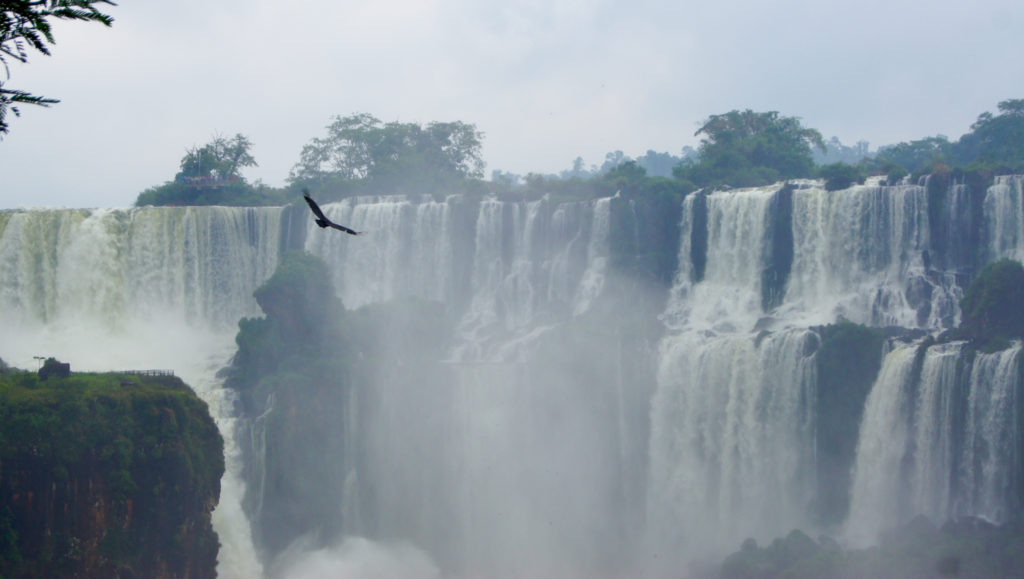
x=362, y=155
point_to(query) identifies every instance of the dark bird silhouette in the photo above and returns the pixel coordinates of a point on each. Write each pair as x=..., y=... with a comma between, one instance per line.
x=322, y=219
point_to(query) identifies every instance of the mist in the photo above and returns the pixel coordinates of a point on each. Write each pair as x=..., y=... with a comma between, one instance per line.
x=508, y=388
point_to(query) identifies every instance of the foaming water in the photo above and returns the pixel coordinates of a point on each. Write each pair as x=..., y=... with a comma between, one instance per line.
x=142, y=289
x=875, y=495
x=731, y=443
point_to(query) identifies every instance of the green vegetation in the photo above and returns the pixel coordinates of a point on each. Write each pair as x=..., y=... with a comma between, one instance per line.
x=115, y=462
x=994, y=145
x=966, y=548
x=841, y=176
x=210, y=175
x=29, y=24
x=360, y=155
x=743, y=149
x=992, y=310
x=301, y=332
x=848, y=362
x=292, y=371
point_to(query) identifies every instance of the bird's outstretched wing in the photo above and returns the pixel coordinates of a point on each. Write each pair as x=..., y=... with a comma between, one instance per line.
x=322, y=219
x=342, y=227
x=313, y=205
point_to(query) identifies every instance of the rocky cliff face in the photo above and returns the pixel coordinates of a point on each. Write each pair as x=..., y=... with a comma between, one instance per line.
x=106, y=476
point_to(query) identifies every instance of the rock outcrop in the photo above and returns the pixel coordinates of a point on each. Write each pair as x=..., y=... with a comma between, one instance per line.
x=106, y=475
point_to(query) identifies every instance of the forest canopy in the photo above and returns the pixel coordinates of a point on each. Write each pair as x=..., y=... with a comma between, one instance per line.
x=744, y=149
x=360, y=151
x=363, y=155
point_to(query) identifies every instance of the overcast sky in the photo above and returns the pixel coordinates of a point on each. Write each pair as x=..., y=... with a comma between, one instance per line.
x=544, y=80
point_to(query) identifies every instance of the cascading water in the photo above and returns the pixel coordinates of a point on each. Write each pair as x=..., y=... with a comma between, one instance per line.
x=939, y=442
x=989, y=463
x=406, y=248
x=1004, y=215
x=731, y=445
x=933, y=434
x=877, y=493
x=857, y=253
x=728, y=294
x=518, y=442
x=142, y=289
x=864, y=254
x=731, y=420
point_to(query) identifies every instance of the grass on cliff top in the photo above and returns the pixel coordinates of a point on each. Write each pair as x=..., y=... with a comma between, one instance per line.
x=23, y=385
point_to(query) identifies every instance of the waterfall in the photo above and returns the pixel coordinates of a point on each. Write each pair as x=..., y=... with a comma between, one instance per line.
x=196, y=264
x=855, y=252
x=934, y=434
x=877, y=497
x=140, y=289
x=405, y=248
x=534, y=264
x=731, y=443
x=927, y=449
x=991, y=454
x=519, y=440
x=1004, y=218
x=728, y=294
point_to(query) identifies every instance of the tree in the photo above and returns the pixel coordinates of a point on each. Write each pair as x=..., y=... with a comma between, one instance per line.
x=628, y=175
x=745, y=148
x=220, y=159
x=658, y=164
x=840, y=175
x=25, y=24
x=211, y=175
x=391, y=157
x=914, y=156
x=836, y=152
x=995, y=139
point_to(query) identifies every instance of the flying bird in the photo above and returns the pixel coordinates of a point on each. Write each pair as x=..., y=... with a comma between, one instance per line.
x=322, y=219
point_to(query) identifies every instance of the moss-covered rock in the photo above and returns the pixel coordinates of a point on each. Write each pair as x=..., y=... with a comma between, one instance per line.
x=106, y=475
x=993, y=306
x=965, y=548
x=847, y=363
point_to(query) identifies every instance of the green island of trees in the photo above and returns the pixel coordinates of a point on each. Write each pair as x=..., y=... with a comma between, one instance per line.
x=106, y=475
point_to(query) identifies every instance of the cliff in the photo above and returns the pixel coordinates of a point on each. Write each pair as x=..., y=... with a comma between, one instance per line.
x=106, y=475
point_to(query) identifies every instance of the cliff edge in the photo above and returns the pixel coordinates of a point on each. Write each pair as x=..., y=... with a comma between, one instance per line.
x=106, y=475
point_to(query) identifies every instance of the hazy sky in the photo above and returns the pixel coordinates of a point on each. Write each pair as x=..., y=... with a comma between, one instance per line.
x=544, y=80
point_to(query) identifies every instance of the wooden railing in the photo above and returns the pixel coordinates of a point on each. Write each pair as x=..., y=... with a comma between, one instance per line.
x=146, y=372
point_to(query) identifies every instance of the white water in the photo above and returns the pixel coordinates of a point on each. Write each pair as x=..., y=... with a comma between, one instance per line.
x=164, y=288
x=731, y=444
x=404, y=250
x=142, y=289
x=858, y=254
x=990, y=448
x=730, y=449
x=908, y=462
x=875, y=501
x=732, y=417
x=933, y=433
x=1004, y=215
x=729, y=296
x=854, y=253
